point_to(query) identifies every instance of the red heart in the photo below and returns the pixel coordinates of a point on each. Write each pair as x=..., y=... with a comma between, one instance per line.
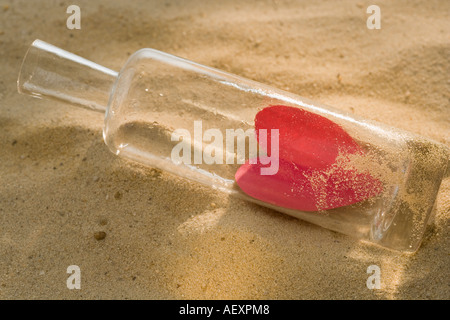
x=305, y=137
x=309, y=178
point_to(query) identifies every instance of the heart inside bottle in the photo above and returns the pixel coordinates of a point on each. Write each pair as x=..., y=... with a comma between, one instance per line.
x=314, y=167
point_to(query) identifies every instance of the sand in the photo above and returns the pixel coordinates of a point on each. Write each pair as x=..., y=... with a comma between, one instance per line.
x=138, y=233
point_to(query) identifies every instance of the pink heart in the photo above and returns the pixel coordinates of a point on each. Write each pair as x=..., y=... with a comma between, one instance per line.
x=309, y=178
x=305, y=137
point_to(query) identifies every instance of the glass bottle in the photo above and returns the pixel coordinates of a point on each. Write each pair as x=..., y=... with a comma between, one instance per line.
x=311, y=161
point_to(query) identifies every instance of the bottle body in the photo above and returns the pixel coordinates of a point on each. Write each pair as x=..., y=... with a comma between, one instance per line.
x=212, y=127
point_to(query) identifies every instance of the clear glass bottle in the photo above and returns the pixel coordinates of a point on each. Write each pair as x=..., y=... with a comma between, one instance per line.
x=333, y=169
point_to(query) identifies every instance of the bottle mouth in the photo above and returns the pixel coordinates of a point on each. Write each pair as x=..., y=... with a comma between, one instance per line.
x=50, y=72
x=26, y=72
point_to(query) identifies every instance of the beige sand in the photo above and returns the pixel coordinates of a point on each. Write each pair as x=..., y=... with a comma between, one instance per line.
x=171, y=239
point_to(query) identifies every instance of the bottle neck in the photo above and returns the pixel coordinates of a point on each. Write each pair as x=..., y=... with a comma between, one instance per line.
x=50, y=72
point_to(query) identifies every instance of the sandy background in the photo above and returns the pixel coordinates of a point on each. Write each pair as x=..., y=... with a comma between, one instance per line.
x=171, y=239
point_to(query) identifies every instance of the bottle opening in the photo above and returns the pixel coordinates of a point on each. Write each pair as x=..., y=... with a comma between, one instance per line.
x=50, y=72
